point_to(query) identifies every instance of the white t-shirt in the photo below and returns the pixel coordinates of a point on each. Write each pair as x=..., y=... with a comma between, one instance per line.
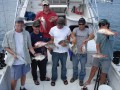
x=19, y=42
x=60, y=34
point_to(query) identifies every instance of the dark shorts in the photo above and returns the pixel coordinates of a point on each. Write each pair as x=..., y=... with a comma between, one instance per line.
x=105, y=64
x=19, y=70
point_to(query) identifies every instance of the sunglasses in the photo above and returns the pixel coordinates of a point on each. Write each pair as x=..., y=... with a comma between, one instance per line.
x=45, y=5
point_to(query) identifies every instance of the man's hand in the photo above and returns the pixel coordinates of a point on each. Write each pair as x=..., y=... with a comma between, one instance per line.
x=63, y=44
x=85, y=41
x=15, y=56
x=36, y=54
x=53, y=18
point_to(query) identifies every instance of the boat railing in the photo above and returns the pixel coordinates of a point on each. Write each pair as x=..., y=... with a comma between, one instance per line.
x=19, y=7
x=93, y=7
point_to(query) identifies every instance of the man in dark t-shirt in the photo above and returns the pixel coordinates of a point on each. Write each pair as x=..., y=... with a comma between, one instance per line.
x=36, y=36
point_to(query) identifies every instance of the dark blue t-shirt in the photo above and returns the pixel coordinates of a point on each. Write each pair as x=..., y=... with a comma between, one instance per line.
x=35, y=38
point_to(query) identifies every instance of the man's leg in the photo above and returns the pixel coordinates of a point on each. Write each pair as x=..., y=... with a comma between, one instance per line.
x=25, y=69
x=13, y=84
x=23, y=79
x=103, y=78
x=63, y=59
x=15, y=75
x=96, y=63
x=75, y=62
x=105, y=64
x=92, y=73
x=34, y=69
x=83, y=61
x=42, y=67
x=55, y=59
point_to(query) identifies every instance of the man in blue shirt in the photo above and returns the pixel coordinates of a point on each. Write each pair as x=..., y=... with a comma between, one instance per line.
x=35, y=37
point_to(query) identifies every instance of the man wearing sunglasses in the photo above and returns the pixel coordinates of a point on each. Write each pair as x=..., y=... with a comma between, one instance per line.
x=81, y=35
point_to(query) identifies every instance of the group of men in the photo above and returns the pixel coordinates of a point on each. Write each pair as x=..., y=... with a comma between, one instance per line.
x=20, y=42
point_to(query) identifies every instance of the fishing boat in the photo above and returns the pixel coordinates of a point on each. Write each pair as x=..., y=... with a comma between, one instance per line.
x=71, y=10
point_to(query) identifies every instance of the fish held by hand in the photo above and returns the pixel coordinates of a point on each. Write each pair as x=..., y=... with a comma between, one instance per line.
x=106, y=32
x=40, y=44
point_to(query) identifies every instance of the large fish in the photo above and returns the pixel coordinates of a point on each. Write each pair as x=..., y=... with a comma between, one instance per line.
x=43, y=22
x=106, y=32
x=40, y=44
x=47, y=45
x=99, y=56
x=63, y=41
x=83, y=49
x=39, y=57
x=73, y=48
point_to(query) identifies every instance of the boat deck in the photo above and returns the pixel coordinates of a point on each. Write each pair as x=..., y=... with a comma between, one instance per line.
x=46, y=85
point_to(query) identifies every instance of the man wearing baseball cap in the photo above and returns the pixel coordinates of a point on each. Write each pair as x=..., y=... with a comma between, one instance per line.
x=82, y=36
x=17, y=43
x=49, y=17
x=36, y=36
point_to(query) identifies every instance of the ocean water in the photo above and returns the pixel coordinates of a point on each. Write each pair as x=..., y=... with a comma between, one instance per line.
x=108, y=11
x=111, y=12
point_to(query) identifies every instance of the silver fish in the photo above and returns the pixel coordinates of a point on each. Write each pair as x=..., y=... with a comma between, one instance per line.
x=40, y=43
x=63, y=41
x=39, y=57
x=52, y=46
x=106, y=31
x=43, y=22
x=83, y=49
x=99, y=56
x=73, y=48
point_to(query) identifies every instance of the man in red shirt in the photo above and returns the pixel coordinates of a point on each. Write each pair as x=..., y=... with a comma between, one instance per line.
x=48, y=19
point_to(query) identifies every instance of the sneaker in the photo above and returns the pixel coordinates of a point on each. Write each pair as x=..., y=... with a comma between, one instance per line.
x=81, y=83
x=72, y=80
x=23, y=88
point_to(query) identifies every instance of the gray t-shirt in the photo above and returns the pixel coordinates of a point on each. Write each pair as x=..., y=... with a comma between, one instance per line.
x=81, y=35
x=105, y=45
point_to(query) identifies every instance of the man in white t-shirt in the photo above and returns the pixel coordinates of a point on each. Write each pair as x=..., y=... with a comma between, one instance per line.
x=58, y=33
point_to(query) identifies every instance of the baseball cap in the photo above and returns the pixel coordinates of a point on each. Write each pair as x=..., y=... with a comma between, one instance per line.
x=36, y=23
x=61, y=21
x=45, y=2
x=19, y=20
x=81, y=20
x=103, y=22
